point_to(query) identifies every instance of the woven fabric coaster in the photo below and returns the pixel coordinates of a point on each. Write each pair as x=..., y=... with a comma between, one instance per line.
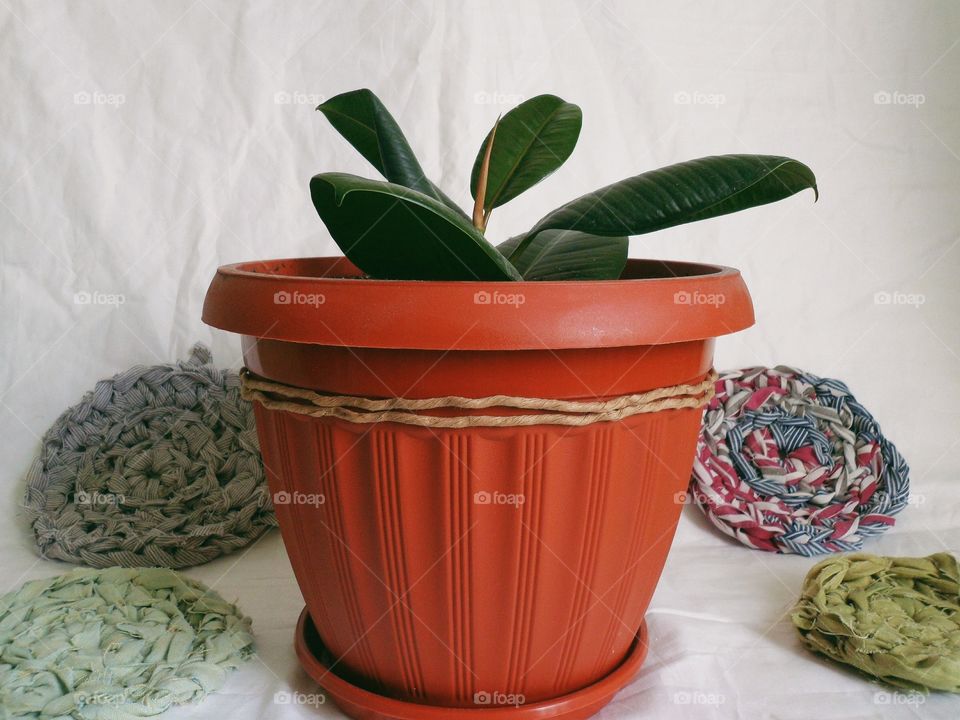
x=157, y=466
x=897, y=619
x=116, y=643
x=790, y=462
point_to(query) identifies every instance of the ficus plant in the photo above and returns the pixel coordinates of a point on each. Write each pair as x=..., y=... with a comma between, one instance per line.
x=407, y=229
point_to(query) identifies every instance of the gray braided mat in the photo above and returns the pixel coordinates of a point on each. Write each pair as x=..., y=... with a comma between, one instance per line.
x=157, y=466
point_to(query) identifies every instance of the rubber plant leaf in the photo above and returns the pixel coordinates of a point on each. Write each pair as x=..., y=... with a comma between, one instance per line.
x=394, y=233
x=569, y=255
x=531, y=141
x=361, y=118
x=677, y=194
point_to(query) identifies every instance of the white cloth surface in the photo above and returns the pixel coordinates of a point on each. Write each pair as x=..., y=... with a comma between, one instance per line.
x=143, y=144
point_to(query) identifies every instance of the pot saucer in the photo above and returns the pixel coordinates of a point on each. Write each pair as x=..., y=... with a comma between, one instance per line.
x=363, y=704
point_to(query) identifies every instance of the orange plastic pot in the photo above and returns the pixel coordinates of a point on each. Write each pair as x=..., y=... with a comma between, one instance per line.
x=484, y=566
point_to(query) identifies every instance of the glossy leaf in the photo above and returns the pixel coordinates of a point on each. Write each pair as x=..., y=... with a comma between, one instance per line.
x=365, y=122
x=569, y=255
x=532, y=140
x=677, y=194
x=395, y=233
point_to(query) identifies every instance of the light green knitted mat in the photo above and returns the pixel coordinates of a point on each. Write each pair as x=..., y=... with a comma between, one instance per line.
x=114, y=644
x=896, y=618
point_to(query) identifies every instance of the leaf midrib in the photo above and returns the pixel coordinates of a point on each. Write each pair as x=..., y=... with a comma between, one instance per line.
x=513, y=169
x=747, y=187
x=411, y=195
x=366, y=127
x=660, y=226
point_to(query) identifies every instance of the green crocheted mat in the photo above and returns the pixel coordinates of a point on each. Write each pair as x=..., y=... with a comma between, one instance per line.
x=115, y=643
x=897, y=619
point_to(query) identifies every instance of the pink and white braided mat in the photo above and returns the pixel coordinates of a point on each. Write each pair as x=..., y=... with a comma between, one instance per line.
x=790, y=462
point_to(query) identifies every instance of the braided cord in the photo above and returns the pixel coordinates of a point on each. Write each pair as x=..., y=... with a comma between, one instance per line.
x=277, y=396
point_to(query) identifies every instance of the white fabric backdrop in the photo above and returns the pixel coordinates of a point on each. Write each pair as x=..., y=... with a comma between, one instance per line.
x=142, y=145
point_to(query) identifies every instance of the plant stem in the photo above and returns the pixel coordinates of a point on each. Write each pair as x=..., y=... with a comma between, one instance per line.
x=480, y=216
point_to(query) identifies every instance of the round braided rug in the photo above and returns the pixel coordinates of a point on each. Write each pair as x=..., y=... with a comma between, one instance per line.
x=114, y=644
x=790, y=462
x=897, y=619
x=157, y=466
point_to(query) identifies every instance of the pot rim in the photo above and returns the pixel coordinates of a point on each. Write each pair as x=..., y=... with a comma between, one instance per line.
x=297, y=300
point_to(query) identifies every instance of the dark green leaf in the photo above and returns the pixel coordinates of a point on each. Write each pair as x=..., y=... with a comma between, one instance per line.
x=363, y=120
x=532, y=140
x=394, y=233
x=568, y=255
x=681, y=193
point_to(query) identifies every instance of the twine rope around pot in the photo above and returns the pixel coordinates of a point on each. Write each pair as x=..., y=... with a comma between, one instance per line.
x=156, y=466
x=277, y=396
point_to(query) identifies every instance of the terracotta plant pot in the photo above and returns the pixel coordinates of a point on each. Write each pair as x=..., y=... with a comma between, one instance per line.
x=481, y=566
